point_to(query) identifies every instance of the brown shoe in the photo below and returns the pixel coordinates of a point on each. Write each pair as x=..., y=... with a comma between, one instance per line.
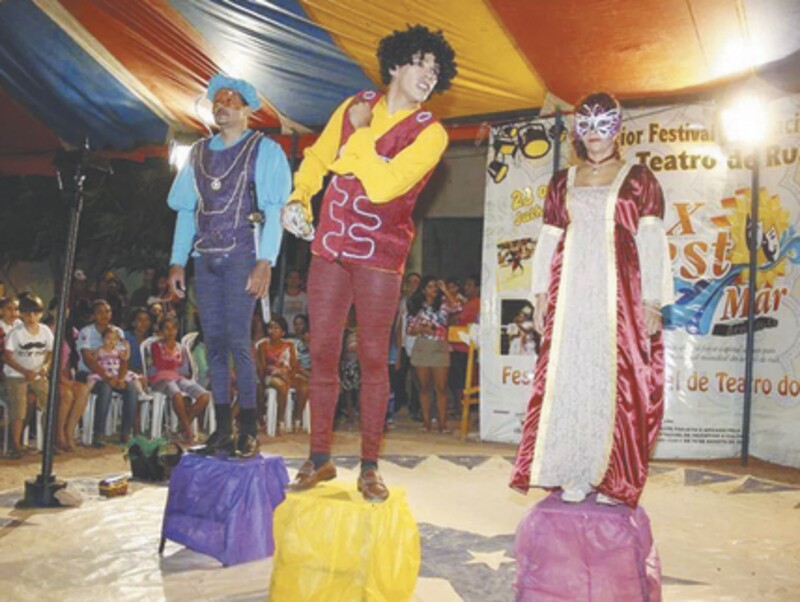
x=307, y=477
x=372, y=487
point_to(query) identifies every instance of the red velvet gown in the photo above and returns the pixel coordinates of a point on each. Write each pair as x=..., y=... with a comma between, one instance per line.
x=635, y=362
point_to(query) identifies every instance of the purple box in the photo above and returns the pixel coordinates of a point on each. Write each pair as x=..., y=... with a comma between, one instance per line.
x=223, y=508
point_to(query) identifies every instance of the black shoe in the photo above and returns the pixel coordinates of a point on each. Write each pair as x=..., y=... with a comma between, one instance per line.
x=217, y=442
x=247, y=446
x=97, y=444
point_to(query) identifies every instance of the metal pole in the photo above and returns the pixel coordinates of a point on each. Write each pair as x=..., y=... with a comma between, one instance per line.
x=282, y=269
x=557, y=142
x=752, y=241
x=41, y=491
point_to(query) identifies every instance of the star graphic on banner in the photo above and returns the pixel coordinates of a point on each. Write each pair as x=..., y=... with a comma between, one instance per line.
x=491, y=559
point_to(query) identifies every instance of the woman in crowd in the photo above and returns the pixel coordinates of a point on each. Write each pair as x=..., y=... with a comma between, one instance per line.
x=430, y=308
x=161, y=296
x=74, y=395
x=140, y=328
x=275, y=361
x=600, y=277
x=169, y=373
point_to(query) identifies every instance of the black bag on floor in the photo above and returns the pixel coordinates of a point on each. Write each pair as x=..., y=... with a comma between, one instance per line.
x=152, y=459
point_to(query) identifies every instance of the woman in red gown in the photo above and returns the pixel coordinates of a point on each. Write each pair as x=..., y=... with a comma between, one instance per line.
x=601, y=275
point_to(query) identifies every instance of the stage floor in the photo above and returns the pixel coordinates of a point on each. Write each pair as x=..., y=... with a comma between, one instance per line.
x=721, y=536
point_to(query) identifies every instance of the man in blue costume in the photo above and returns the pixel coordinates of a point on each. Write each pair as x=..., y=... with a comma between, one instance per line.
x=233, y=181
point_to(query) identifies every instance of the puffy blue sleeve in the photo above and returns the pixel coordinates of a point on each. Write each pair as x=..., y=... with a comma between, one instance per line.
x=273, y=185
x=183, y=199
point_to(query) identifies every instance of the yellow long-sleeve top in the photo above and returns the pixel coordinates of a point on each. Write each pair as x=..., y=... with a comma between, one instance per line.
x=383, y=180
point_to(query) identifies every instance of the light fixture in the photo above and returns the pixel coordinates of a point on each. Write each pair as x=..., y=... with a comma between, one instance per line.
x=533, y=141
x=744, y=120
x=530, y=140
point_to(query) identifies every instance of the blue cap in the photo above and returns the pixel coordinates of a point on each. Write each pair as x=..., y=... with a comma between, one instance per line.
x=245, y=89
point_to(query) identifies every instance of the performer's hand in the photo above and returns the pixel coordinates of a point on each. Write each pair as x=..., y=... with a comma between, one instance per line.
x=539, y=310
x=360, y=114
x=177, y=281
x=258, y=281
x=652, y=317
x=295, y=220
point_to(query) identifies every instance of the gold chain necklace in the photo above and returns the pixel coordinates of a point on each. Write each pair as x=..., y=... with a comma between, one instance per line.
x=216, y=181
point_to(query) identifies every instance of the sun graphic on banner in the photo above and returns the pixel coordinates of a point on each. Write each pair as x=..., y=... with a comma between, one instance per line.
x=773, y=222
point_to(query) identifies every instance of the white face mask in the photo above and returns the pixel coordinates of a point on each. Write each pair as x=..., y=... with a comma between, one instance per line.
x=606, y=123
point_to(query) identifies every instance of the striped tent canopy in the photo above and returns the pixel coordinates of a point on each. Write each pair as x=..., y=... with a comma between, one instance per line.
x=128, y=75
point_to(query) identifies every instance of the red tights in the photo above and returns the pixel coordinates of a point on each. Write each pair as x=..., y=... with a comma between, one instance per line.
x=332, y=288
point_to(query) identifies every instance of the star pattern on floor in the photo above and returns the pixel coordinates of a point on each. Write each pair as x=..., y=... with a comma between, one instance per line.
x=494, y=560
x=451, y=553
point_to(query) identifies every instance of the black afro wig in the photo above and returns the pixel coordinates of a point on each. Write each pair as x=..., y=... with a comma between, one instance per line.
x=399, y=48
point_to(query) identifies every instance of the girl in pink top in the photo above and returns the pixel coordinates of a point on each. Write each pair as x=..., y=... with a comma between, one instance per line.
x=169, y=373
x=109, y=356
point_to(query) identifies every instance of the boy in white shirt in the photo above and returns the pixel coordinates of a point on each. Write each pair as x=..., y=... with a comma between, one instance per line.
x=28, y=351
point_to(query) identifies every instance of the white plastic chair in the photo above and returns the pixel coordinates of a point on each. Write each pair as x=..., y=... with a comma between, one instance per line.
x=159, y=400
x=272, y=412
x=306, y=420
x=87, y=420
x=210, y=420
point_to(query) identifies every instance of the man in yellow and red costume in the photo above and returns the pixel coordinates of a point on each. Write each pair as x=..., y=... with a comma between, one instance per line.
x=380, y=149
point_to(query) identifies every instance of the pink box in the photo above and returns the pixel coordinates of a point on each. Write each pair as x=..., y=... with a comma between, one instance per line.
x=586, y=552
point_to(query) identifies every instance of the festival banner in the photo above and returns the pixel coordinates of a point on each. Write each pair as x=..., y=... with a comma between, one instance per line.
x=707, y=190
x=520, y=166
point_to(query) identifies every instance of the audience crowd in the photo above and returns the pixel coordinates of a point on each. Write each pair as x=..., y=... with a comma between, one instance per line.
x=102, y=364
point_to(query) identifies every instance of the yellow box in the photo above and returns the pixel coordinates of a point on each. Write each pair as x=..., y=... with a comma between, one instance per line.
x=332, y=545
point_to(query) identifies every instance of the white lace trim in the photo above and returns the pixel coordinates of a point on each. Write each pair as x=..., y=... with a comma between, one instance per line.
x=543, y=257
x=654, y=262
x=580, y=419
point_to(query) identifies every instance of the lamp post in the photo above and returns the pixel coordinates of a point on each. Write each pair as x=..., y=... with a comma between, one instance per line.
x=73, y=168
x=744, y=121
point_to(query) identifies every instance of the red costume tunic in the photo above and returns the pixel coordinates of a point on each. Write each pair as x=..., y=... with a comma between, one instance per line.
x=351, y=227
x=636, y=361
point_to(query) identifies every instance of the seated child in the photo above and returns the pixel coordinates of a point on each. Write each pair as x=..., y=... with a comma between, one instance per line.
x=275, y=364
x=110, y=358
x=169, y=373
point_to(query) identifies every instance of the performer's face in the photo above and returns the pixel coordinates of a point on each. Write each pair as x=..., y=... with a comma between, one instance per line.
x=417, y=79
x=605, y=123
x=597, y=127
x=229, y=108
